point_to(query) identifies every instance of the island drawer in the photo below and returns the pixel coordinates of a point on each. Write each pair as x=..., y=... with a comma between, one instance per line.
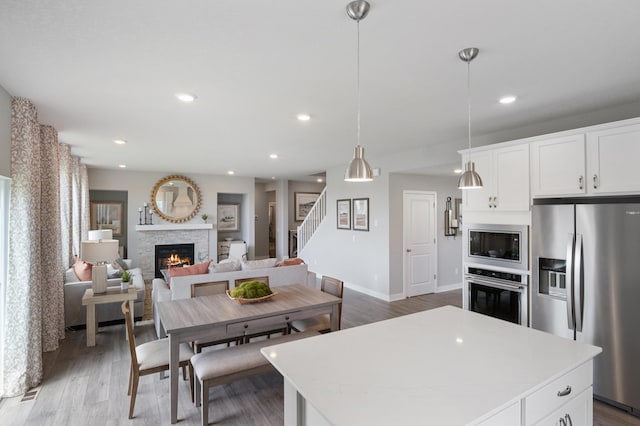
x=558, y=392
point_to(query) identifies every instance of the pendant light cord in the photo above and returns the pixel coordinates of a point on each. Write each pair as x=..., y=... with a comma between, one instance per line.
x=469, y=107
x=358, y=80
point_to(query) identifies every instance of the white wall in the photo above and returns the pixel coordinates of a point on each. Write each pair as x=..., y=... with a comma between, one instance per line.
x=262, y=221
x=360, y=259
x=140, y=184
x=449, y=248
x=5, y=133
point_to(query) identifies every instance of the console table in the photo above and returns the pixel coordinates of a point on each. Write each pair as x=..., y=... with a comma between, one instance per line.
x=112, y=295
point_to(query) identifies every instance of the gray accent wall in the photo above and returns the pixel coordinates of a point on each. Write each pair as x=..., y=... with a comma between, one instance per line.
x=5, y=133
x=449, y=248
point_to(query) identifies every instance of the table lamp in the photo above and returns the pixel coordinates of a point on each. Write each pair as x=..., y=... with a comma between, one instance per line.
x=99, y=252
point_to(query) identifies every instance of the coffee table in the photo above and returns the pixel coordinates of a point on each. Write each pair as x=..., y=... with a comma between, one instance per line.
x=112, y=295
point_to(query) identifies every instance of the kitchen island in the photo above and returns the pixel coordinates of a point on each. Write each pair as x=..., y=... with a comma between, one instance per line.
x=445, y=366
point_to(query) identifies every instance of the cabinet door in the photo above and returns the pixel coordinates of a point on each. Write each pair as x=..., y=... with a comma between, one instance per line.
x=612, y=160
x=478, y=199
x=577, y=412
x=558, y=167
x=511, y=178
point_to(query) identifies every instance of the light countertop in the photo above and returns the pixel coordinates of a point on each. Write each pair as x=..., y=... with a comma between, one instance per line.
x=442, y=366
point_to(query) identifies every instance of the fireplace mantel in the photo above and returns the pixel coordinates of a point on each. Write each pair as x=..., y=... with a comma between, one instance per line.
x=174, y=227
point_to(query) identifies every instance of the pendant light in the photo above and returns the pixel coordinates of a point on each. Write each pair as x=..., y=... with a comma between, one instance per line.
x=470, y=179
x=358, y=170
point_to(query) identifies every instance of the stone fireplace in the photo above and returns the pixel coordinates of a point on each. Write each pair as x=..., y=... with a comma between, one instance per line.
x=150, y=236
x=172, y=255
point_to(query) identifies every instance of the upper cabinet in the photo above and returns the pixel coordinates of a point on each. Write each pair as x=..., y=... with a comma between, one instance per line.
x=612, y=160
x=603, y=162
x=558, y=166
x=505, y=175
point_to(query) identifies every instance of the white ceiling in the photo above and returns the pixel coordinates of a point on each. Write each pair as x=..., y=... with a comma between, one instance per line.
x=104, y=70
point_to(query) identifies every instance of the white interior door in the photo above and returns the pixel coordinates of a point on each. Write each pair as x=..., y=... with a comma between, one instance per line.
x=420, y=247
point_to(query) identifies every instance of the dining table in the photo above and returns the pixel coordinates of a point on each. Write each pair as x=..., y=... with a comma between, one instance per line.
x=219, y=316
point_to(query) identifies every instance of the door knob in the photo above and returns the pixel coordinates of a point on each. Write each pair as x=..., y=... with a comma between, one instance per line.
x=408, y=250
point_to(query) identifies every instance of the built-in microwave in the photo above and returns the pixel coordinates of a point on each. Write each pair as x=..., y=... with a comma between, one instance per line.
x=505, y=246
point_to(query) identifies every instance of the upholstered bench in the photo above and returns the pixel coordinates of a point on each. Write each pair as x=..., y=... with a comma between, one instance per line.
x=226, y=365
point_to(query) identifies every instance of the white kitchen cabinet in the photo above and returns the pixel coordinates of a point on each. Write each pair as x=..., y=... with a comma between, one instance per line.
x=612, y=160
x=558, y=166
x=505, y=175
x=602, y=162
x=578, y=411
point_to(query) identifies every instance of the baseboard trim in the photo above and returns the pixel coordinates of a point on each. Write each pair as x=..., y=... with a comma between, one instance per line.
x=448, y=287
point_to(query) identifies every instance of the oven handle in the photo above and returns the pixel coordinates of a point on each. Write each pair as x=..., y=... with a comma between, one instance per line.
x=518, y=288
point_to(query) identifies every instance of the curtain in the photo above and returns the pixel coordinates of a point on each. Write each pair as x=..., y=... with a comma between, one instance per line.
x=35, y=292
x=52, y=269
x=23, y=338
x=74, y=204
x=66, y=238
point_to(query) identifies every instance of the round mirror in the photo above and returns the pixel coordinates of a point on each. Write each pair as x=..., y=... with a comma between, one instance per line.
x=175, y=198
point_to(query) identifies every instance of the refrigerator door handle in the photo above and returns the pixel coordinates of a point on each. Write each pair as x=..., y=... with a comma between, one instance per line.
x=569, y=280
x=577, y=283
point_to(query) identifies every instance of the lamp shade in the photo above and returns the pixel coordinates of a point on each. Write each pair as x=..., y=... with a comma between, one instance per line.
x=100, y=251
x=358, y=170
x=101, y=234
x=470, y=179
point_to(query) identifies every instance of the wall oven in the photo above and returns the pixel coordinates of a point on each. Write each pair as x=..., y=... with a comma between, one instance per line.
x=503, y=295
x=502, y=246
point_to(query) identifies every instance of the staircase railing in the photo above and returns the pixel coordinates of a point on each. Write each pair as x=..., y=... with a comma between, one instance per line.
x=313, y=220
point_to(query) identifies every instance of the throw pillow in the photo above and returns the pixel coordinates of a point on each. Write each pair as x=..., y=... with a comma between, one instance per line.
x=82, y=269
x=290, y=262
x=198, y=268
x=248, y=265
x=227, y=265
x=119, y=263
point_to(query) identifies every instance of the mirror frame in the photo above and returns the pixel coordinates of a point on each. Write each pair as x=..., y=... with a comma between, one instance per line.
x=183, y=179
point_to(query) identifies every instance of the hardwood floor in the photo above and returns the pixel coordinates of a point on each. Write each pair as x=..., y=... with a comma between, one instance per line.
x=89, y=385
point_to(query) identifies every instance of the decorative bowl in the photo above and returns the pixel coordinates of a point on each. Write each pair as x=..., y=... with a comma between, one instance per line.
x=242, y=300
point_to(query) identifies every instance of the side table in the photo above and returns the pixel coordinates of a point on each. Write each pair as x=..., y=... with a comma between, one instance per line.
x=113, y=295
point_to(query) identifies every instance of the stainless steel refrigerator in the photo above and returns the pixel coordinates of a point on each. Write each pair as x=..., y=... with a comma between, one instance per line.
x=586, y=285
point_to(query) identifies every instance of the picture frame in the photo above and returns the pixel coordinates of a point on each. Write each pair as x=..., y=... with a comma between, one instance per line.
x=343, y=213
x=107, y=215
x=361, y=214
x=228, y=217
x=304, y=201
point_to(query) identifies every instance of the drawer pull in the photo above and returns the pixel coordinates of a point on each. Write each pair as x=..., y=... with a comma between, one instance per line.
x=247, y=326
x=565, y=392
x=287, y=318
x=567, y=419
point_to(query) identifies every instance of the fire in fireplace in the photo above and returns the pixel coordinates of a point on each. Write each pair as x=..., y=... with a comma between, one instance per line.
x=172, y=255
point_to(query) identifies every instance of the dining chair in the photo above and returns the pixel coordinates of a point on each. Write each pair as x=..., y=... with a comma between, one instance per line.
x=244, y=280
x=151, y=357
x=322, y=323
x=208, y=289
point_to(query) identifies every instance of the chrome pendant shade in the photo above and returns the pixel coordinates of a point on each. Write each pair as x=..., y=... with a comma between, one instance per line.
x=470, y=179
x=359, y=169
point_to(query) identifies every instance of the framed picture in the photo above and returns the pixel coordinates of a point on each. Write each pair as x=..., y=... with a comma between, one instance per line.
x=303, y=203
x=107, y=215
x=228, y=217
x=361, y=214
x=343, y=211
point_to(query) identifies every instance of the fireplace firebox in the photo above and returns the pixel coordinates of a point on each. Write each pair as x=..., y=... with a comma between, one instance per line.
x=172, y=255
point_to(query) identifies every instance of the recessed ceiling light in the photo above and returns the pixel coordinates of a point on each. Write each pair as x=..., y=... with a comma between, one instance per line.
x=457, y=171
x=122, y=166
x=508, y=99
x=319, y=180
x=273, y=177
x=119, y=141
x=274, y=156
x=186, y=97
x=231, y=172
x=303, y=117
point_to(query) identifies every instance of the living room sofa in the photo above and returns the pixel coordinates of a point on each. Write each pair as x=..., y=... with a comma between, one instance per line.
x=181, y=285
x=75, y=314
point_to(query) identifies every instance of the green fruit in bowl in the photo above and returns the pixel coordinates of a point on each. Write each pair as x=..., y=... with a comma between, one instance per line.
x=251, y=290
